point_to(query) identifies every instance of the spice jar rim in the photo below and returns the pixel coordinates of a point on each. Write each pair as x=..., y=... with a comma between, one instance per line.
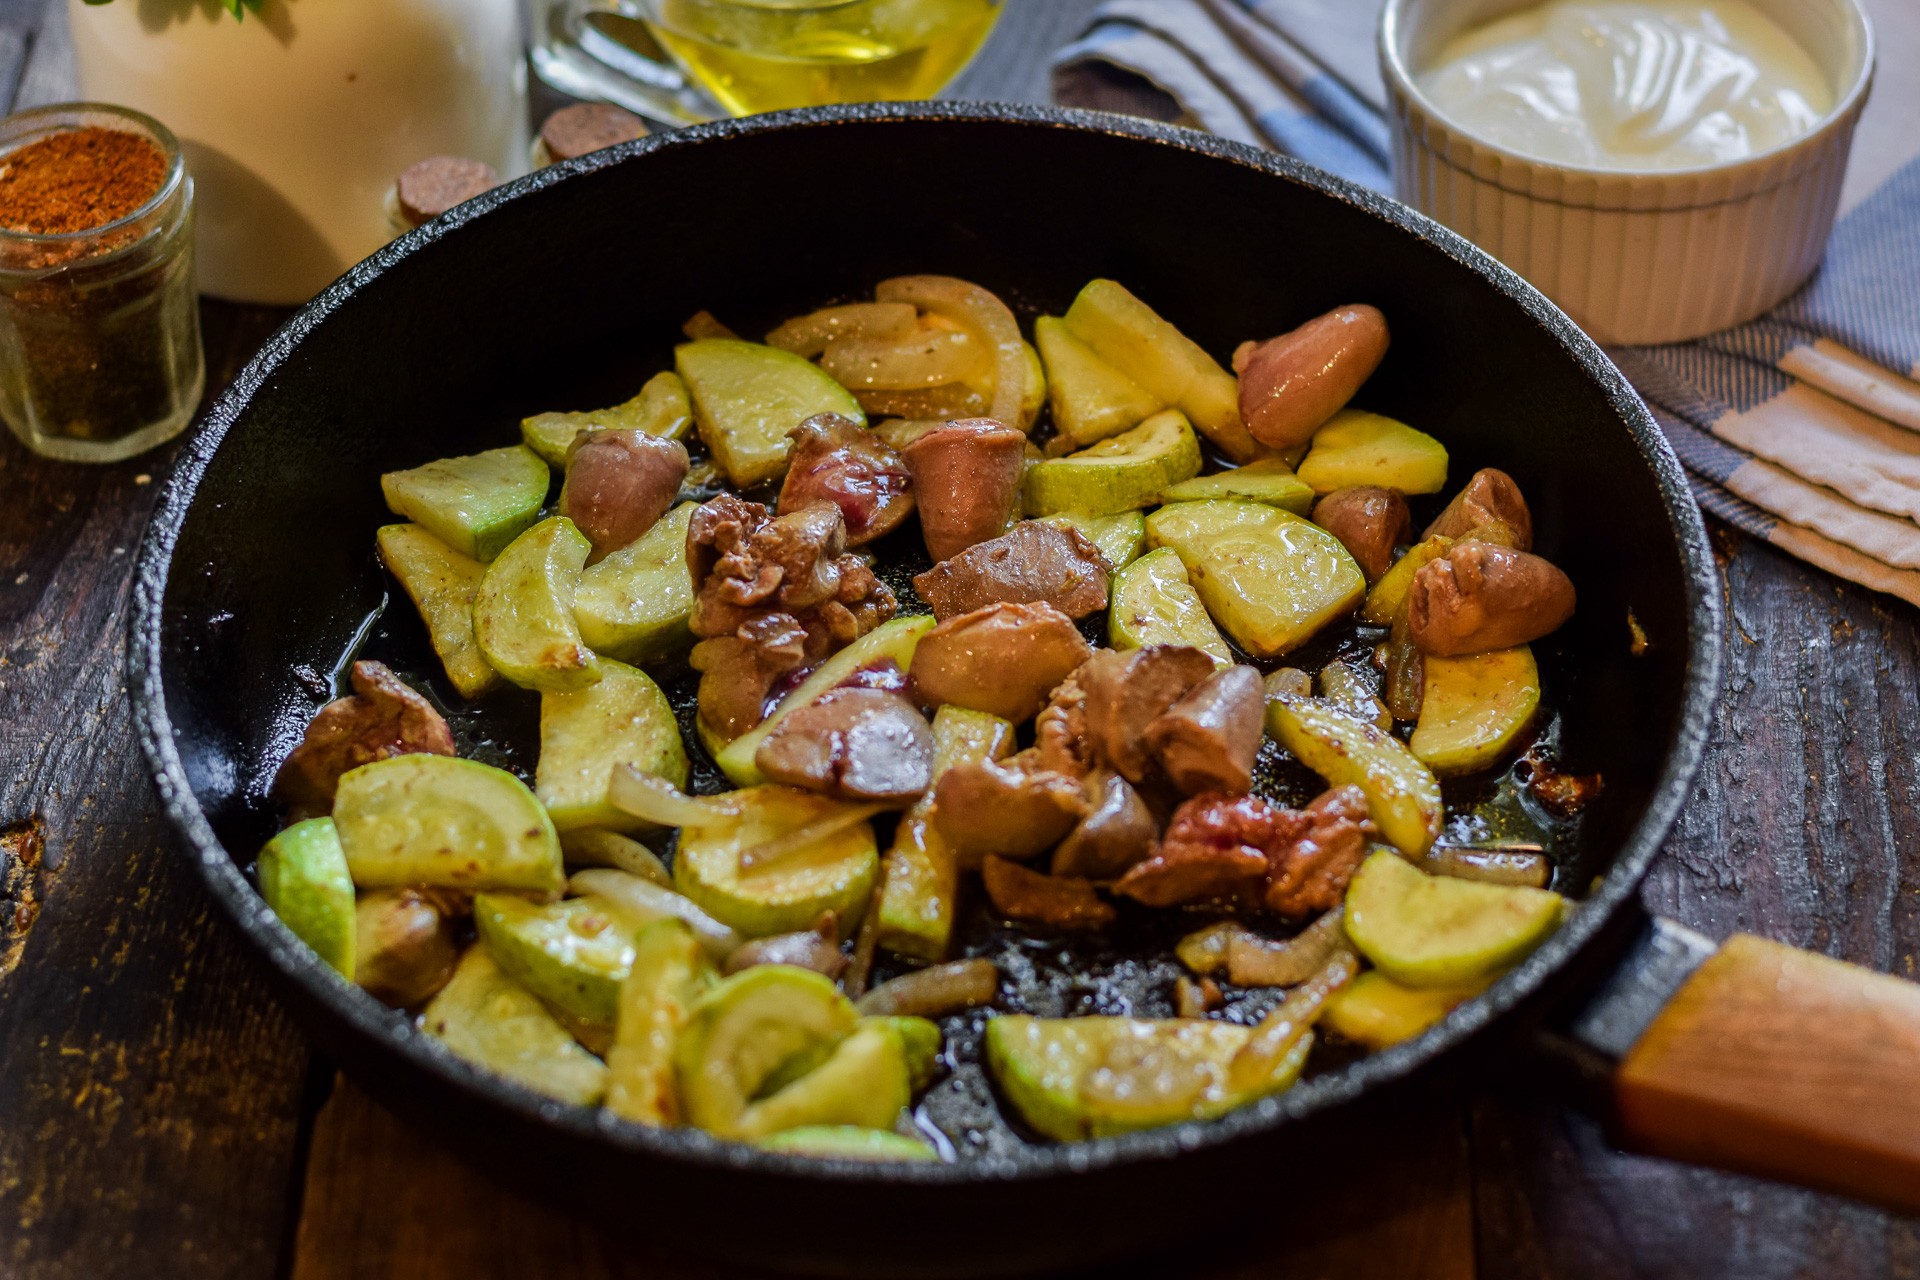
x=162, y=136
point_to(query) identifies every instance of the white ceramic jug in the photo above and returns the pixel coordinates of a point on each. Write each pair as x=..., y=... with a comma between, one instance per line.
x=296, y=118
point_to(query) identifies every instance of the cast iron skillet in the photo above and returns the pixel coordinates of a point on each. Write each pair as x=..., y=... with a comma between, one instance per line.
x=566, y=287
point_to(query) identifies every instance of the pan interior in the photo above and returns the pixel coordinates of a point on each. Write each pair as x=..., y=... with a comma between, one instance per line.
x=570, y=293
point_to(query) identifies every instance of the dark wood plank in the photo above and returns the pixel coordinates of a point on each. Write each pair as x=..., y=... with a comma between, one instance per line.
x=385, y=1203
x=149, y=1083
x=1411, y=1218
x=1803, y=829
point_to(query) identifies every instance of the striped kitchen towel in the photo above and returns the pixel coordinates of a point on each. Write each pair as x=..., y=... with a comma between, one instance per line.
x=1801, y=428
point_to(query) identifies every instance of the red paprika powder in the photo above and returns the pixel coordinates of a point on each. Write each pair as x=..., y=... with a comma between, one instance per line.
x=99, y=328
x=78, y=180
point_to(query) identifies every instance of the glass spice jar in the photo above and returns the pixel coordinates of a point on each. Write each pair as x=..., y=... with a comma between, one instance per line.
x=100, y=353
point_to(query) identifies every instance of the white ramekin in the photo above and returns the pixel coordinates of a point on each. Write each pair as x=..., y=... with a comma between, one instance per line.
x=1633, y=257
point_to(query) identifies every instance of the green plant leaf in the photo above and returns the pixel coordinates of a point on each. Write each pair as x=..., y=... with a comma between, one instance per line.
x=238, y=8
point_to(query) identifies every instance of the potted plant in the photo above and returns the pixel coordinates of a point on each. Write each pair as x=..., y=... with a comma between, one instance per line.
x=295, y=116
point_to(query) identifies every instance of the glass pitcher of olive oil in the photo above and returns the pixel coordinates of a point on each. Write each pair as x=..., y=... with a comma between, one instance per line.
x=768, y=55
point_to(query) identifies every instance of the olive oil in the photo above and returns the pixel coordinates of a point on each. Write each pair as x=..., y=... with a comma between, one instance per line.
x=768, y=55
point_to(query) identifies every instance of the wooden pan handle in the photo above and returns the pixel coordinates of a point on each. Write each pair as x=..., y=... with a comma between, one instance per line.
x=1787, y=1064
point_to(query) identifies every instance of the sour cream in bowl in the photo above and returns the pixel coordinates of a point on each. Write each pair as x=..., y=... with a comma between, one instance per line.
x=1660, y=168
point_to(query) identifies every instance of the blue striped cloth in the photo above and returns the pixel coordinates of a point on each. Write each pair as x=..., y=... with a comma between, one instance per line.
x=1801, y=428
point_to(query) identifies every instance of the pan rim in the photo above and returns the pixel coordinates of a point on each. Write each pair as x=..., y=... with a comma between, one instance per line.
x=345, y=1003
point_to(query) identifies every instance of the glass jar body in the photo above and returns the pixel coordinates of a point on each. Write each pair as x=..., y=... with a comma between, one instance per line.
x=100, y=354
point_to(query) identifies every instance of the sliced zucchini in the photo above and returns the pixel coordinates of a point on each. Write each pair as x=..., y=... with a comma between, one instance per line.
x=493, y=1022
x=440, y=820
x=1125, y=473
x=1033, y=391
x=623, y=719
x=747, y=397
x=476, y=504
x=668, y=973
x=1091, y=399
x=962, y=735
x=572, y=954
x=892, y=641
x=848, y=1142
x=1359, y=448
x=923, y=876
x=1474, y=708
x=1268, y=480
x=442, y=584
x=634, y=605
x=304, y=878
x=863, y=1083
x=1388, y=594
x=1092, y=1077
x=1375, y=1011
x=1403, y=797
x=1154, y=603
x=1269, y=578
x=1121, y=536
x=1440, y=931
x=1130, y=336
x=920, y=1038
x=785, y=896
x=523, y=614
x=742, y=1029
x=922, y=885
x=796, y=1066
x=660, y=409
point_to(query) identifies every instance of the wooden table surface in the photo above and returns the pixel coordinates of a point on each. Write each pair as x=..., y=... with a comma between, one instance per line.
x=161, y=1117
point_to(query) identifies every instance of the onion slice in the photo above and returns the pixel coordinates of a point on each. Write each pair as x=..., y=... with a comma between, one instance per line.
x=1253, y=961
x=1205, y=950
x=973, y=307
x=867, y=941
x=939, y=404
x=1194, y=999
x=655, y=799
x=644, y=902
x=817, y=949
x=592, y=847
x=1282, y=1029
x=934, y=991
x=753, y=857
x=1512, y=864
x=809, y=335
x=924, y=358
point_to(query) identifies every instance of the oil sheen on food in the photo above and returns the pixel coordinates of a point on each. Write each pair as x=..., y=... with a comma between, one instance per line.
x=1641, y=86
x=769, y=55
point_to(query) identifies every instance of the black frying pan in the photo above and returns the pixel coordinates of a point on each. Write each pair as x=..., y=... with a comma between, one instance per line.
x=566, y=287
